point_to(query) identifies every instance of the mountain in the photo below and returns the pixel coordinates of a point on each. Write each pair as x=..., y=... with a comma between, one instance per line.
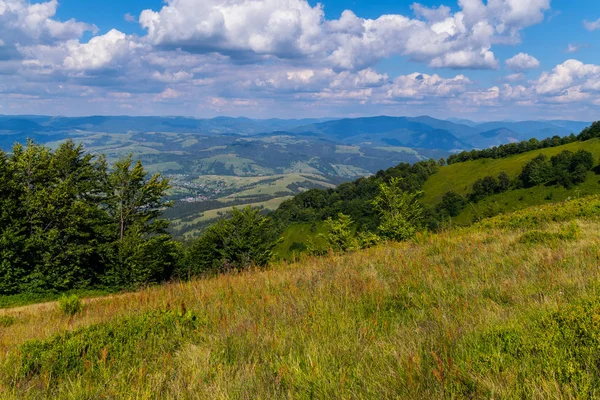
x=19, y=125
x=123, y=124
x=414, y=132
x=535, y=129
x=421, y=132
x=494, y=137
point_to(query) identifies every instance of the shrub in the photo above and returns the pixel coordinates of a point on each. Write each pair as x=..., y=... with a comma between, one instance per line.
x=133, y=342
x=70, y=305
x=452, y=204
x=340, y=234
x=537, y=237
x=245, y=239
x=6, y=321
x=400, y=212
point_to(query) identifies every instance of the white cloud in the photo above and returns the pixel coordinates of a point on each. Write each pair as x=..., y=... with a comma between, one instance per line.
x=522, y=62
x=23, y=22
x=419, y=86
x=515, y=77
x=291, y=29
x=573, y=48
x=485, y=59
x=168, y=94
x=129, y=18
x=592, y=25
x=284, y=28
x=171, y=77
x=99, y=52
x=570, y=75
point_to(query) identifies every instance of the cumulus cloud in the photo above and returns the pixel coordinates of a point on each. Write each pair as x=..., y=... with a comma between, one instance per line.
x=25, y=23
x=100, y=52
x=592, y=25
x=291, y=29
x=570, y=75
x=522, y=62
x=418, y=86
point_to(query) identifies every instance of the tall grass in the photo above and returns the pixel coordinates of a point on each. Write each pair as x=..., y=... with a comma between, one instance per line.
x=471, y=313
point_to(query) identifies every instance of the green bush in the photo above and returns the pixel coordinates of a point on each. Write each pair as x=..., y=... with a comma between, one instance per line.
x=245, y=239
x=6, y=321
x=127, y=342
x=70, y=305
x=570, y=232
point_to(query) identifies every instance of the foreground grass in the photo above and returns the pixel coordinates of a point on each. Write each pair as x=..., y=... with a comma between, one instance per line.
x=505, y=309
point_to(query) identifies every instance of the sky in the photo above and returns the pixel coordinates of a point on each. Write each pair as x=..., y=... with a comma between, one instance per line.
x=475, y=59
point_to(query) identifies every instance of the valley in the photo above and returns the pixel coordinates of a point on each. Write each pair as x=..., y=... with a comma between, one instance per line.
x=215, y=164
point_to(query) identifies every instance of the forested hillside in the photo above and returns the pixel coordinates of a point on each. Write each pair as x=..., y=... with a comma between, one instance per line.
x=476, y=185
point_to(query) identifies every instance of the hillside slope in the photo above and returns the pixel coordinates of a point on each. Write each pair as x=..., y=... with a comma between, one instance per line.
x=506, y=309
x=460, y=177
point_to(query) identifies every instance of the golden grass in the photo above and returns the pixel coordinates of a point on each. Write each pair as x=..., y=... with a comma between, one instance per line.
x=387, y=322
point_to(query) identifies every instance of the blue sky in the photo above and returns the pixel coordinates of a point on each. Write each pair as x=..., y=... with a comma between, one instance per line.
x=494, y=59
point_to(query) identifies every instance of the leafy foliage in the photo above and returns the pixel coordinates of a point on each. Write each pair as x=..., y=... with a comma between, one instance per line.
x=340, y=235
x=399, y=210
x=566, y=169
x=67, y=222
x=245, y=239
x=70, y=305
x=489, y=186
x=354, y=199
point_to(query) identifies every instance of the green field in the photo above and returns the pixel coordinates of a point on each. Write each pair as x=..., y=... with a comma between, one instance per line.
x=461, y=176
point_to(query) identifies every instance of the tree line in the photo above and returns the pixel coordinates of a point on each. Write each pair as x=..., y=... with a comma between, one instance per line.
x=566, y=169
x=354, y=199
x=507, y=150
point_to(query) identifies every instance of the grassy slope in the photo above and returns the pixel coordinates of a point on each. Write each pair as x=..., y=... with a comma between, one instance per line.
x=461, y=176
x=470, y=313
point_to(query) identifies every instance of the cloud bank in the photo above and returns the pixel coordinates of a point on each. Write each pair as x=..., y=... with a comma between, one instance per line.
x=255, y=57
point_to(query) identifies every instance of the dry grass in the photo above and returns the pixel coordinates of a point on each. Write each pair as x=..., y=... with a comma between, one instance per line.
x=388, y=322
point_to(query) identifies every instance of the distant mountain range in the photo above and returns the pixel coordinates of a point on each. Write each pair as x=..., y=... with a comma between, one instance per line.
x=415, y=132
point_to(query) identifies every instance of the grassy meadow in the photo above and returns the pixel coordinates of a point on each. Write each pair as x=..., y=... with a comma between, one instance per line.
x=505, y=309
x=460, y=177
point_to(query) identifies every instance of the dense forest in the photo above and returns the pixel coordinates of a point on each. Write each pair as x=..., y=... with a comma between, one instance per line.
x=353, y=198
